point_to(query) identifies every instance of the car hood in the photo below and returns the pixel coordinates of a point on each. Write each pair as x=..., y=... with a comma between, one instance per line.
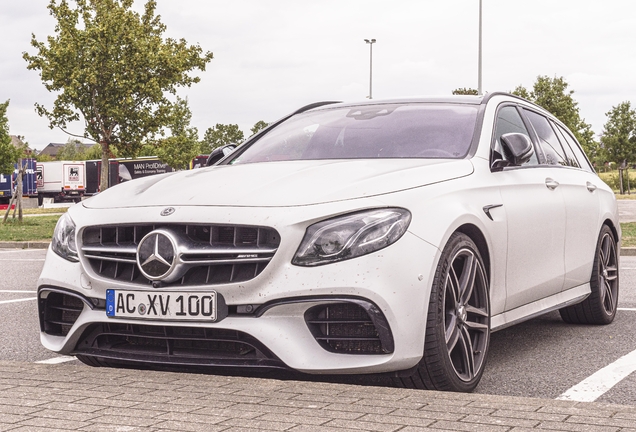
x=280, y=184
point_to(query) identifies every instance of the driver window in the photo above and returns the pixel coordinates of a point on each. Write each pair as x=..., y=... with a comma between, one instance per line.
x=508, y=121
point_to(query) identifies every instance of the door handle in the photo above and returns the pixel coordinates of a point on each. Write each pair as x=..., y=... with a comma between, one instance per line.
x=551, y=183
x=590, y=186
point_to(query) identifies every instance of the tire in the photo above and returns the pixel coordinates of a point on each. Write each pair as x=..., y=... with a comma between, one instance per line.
x=458, y=325
x=600, y=306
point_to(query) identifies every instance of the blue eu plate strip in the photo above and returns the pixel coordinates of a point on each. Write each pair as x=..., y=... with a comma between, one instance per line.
x=110, y=302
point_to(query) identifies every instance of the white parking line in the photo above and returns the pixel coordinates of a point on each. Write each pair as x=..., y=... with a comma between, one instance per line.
x=17, y=300
x=627, y=309
x=21, y=259
x=57, y=360
x=17, y=291
x=600, y=382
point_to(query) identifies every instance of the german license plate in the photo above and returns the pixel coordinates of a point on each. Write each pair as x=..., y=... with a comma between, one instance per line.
x=173, y=306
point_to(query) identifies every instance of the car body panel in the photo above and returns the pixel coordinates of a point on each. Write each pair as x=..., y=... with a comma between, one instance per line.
x=538, y=241
x=282, y=184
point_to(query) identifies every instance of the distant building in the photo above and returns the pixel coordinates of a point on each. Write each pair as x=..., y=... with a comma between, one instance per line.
x=16, y=140
x=54, y=148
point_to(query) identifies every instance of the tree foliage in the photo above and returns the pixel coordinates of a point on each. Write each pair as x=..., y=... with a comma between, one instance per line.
x=9, y=154
x=619, y=134
x=74, y=149
x=465, y=91
x=182, y=145
x=220, y=135
x=111, y=67
x=258, y=126
x=553, y=95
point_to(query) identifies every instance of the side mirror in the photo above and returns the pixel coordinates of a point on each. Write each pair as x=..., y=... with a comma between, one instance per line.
x=219, y=153
x=517, y=147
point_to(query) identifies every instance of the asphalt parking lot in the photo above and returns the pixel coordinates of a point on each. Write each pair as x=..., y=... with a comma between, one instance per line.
x=542, y=358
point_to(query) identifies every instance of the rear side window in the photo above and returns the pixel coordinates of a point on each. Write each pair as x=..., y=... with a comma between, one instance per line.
x=570, y=159
x=509, y=121
x=548, y=140
x=569, y=140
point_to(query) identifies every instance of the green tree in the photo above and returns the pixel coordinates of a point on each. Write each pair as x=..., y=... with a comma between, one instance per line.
x=619, y=134
x=111, y=67
x=46, y=158
x=220, y=135
x=182, y=145
x=258, y=126
x=553, y=95
x=9, y=154
x=74, y=149
x=465, y=91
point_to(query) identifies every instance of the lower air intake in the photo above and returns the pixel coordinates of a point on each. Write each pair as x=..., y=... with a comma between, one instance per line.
x=350, y=328
x=168, y=345
x=59, y=312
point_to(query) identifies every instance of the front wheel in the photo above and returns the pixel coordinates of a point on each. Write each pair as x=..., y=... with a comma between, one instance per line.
x=600, y=306
x=458, y=325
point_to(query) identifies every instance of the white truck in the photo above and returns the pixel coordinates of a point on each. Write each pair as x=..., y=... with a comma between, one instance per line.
x=61, y=180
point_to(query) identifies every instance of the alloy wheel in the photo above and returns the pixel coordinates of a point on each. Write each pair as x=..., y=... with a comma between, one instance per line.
x=608, y=273
x=466, y=314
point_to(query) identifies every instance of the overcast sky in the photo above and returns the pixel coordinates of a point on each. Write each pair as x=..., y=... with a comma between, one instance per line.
x=273, y=56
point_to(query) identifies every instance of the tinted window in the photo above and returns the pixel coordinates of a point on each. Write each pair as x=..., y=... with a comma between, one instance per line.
x=570, y=159
x=509, y=121
x=576, y=149
x=547, y=139
x=370, y=131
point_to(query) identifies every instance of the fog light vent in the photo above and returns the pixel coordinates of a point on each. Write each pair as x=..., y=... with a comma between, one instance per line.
x=349, y=328
x=60, y=311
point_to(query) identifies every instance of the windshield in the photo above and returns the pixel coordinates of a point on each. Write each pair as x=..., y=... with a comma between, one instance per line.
x=368, y=132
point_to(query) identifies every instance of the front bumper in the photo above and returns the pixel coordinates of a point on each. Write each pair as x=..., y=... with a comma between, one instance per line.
x=395, y=281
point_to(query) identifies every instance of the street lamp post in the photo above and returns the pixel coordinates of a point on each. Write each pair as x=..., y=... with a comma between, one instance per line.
x=370, y=42
x=479, y=88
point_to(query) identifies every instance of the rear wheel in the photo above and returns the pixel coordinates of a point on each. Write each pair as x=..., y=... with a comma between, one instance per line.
x=600, y=306
x=458, y=325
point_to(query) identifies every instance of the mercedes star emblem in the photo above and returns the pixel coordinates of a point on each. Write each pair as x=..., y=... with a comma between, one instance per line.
x=156, y=255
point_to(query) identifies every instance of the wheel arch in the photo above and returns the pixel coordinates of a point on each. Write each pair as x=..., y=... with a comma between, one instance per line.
x=612, y=227
x=479, y=239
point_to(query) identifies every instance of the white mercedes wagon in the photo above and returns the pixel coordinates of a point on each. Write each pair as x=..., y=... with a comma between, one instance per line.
x=380, y=237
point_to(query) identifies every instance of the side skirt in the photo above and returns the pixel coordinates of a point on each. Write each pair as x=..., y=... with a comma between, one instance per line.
x=540, y=307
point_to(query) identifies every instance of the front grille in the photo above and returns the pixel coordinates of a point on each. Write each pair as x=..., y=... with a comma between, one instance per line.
x=175, y=346
x=216, y=254
x=348, y=328
x=59, y=312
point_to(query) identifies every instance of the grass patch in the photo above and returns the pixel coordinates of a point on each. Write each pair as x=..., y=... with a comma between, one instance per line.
x=629, y=234
x=45, y=210
x=613, y=181
x=31, y=228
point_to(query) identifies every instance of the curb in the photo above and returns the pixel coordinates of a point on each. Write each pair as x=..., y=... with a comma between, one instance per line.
x=25, y=245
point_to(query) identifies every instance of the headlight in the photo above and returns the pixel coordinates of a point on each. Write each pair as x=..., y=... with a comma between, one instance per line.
x=63, y=242
x=351, y=236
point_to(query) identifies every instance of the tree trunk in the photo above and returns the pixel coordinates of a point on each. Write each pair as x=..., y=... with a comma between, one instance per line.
x=20, y=191
x=103, y=178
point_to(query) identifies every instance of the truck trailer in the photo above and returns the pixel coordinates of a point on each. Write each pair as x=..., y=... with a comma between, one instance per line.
x=61, y=180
